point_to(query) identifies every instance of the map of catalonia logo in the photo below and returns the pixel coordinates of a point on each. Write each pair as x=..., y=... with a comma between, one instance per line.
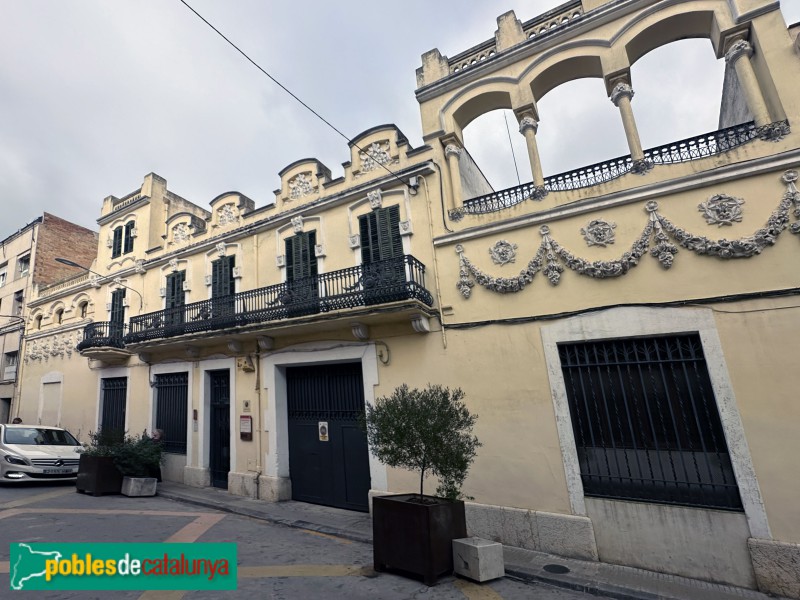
x=122, y=567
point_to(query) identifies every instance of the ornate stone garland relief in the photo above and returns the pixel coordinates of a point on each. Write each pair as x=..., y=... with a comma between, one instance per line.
x=551, y=254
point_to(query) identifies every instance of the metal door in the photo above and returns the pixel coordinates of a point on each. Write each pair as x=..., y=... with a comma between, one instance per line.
x=115, y=390
x=220, y=446
x=328, y=455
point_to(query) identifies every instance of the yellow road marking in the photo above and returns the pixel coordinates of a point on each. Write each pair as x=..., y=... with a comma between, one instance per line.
x=474, y=591
x=100, y=511
x=10, y=513
x=191, y=532
x=37, y=498
x=304, y=571
x=163, y=595
x=326, y=535
x=5, y=566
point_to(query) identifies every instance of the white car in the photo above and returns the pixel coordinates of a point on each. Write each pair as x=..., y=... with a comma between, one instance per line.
x=37, y=453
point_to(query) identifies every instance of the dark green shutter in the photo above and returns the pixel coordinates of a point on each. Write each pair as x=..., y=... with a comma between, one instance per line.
x=300, y=258
x=117, y=308
x=116, y=246
x=222, y=282
x=129, y=237
x=380, y=235
x=175, y=298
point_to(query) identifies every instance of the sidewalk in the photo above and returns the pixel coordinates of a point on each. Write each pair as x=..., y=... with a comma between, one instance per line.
x=596, y=578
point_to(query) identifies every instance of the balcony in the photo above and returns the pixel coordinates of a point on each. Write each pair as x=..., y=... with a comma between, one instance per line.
x=378, y=283
x=104, y=341
x=690, y=149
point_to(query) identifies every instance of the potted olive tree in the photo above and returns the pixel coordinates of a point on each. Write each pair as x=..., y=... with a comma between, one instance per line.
x=428, y=431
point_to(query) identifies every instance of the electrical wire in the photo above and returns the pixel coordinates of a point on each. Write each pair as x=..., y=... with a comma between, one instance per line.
x=511, y=145
x=287, y=90
x=695, y=303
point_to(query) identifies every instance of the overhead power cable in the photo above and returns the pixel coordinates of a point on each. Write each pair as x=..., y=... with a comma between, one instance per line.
x=288, y=91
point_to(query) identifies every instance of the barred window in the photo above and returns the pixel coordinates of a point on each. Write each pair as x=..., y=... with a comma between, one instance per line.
x=172, y=406
x=646, y=422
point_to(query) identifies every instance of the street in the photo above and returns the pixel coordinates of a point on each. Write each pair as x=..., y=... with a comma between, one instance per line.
x=275, y=562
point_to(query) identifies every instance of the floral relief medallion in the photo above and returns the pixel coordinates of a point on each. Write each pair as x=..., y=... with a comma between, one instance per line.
x=503, y=252
x=300, y=186
x=721, y=209
x=599, y=232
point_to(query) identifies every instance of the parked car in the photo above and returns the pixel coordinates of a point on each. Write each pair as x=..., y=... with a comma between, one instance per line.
x=37, y=453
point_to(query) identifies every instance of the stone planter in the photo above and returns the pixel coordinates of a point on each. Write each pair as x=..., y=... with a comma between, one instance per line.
x=98, y=475
x=416, y=539
x=139, y=486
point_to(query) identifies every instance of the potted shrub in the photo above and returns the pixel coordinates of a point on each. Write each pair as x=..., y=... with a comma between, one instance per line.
x=114, y=463
x=97, y=472
x=138, y=459
x=428, y=431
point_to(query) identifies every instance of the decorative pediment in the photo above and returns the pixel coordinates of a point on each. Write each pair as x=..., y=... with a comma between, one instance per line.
x=184, y=226
x=302, y=181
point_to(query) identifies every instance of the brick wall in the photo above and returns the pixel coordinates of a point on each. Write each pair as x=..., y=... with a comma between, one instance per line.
x=60, y=238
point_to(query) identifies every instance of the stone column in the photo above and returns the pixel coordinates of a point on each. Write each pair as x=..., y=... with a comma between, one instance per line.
x=528, y=126
x=621, y=96
x=739, y=54
x=452, y=152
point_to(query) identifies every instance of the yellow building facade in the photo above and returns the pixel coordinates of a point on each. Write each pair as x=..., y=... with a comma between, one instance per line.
x=624, y=331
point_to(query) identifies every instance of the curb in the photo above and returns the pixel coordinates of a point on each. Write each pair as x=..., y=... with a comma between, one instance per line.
x=243, y=511
x=605, y=590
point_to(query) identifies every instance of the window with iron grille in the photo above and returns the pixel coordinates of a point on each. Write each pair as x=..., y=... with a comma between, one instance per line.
x=114, y=390
x=172, y=406
x=646, y=422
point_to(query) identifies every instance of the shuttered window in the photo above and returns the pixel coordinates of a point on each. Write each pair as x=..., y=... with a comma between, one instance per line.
x=222, y=282
x=175, y=297
x=117, y=316
x=116, y=244
x=129, y=237
x=380, y=235
x=300, y=259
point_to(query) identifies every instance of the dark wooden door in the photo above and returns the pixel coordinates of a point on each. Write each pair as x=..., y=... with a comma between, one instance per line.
x=333, y=472
x=301, y=296
x=174, y=303
x=115, y=391
x=220, y=446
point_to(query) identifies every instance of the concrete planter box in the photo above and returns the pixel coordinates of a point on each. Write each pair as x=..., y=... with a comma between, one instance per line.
x=416, y=539
x=139, y=486
x=98, y=475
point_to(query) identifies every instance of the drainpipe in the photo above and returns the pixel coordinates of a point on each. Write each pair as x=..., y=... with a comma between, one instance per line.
x=435, y=261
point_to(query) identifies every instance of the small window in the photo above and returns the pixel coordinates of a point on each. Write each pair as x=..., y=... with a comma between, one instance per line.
x=9, y=366
x=11, y=359
x=83, y=307
x=24, y=265
x=3, y=273
x=116, y=244
x=59, y=318
x=37, y=322
x=19, y=298
x=129, y=233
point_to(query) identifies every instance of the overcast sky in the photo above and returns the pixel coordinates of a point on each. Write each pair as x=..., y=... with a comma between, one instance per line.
x=95, y=94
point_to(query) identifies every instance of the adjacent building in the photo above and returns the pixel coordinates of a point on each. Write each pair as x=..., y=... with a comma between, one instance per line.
x=624, y=331
x=27, y=265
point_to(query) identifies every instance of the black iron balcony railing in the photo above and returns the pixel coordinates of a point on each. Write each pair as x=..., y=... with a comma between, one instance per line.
x=701, y=146
x=103, y=335
x=385, y=281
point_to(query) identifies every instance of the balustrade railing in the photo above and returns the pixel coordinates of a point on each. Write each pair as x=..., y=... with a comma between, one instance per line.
x=365, y=285
x=103, y=334
x=694, y=148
